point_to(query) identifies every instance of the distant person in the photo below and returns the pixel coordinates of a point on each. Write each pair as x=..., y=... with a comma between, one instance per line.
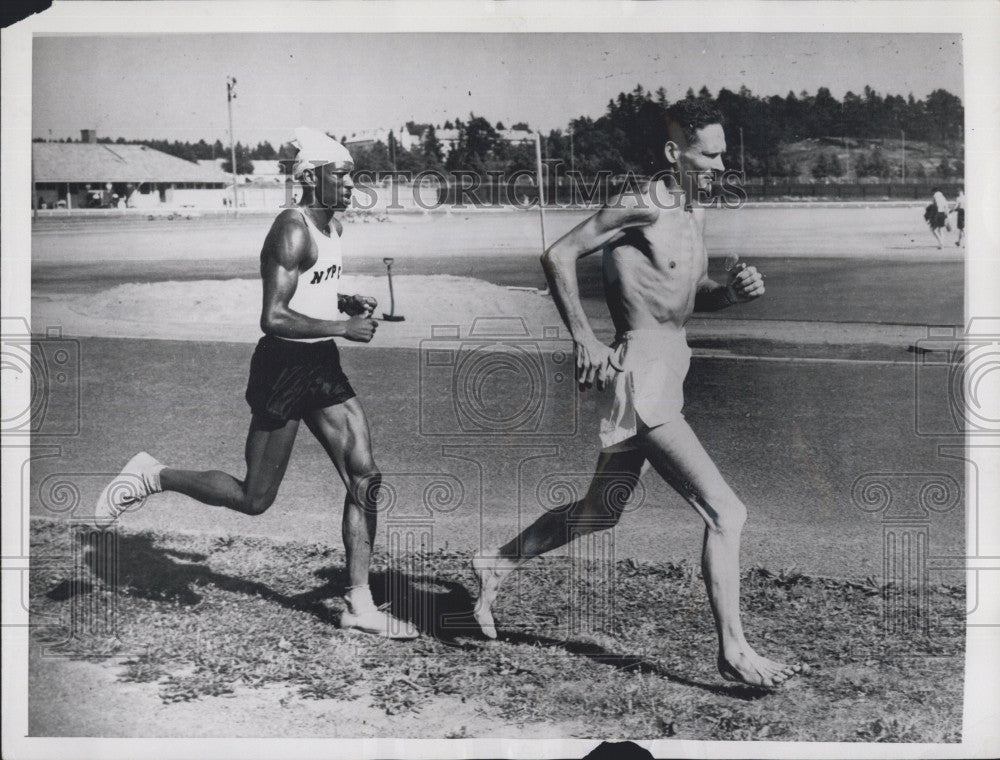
x=936, y=215
x=655, y=264
x=295, y=375
x=959, y=210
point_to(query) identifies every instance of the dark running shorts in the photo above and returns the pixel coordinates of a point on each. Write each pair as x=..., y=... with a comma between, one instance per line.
x=289, y=379
x=936, y=219
x=961, y=218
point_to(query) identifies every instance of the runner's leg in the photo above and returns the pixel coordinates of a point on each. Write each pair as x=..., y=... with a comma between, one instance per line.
x=615, y=478
x=613, y=483
x=267, y=453
x=677, y=454
x=343, y=431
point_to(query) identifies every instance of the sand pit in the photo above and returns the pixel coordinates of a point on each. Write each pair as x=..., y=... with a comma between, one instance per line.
x=229, y=310
x=433, y=305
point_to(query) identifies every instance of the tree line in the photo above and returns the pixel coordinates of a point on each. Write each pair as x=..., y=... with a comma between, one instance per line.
x=622, y=139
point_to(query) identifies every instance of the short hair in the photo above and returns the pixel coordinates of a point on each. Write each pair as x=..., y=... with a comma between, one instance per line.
x=689, y=116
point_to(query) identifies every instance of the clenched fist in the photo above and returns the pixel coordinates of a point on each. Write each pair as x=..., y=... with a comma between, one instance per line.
x=745, y=284
x=360, y=329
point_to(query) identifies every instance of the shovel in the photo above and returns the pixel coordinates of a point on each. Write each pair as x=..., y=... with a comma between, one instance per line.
x=392, y=316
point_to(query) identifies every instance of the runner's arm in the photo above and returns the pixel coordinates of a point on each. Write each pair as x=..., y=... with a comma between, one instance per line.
x=593, y=358
x=744, y=284
x=286, y=246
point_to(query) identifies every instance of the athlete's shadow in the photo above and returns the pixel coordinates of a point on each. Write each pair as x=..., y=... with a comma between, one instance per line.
x=437, y=607
x=628, y=662
x=145, y=570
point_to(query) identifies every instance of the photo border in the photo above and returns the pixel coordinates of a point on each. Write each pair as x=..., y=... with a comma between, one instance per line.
x=977, y=22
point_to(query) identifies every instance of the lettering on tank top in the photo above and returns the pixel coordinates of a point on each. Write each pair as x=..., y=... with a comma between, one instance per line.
x=319, y=276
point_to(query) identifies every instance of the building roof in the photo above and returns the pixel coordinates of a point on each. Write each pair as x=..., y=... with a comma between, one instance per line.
x=267, y=168
x=265, y=172
x=103, y=162
x=516, y=135
x=404, y=138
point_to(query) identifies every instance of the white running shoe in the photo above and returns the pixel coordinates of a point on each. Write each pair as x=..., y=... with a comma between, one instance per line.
x=362, y=615
x=378, y=623
x=139, y=478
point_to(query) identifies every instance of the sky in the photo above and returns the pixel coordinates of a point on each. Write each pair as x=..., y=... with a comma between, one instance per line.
x=174, y=86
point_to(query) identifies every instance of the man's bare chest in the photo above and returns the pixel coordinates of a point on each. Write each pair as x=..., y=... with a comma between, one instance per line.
x=672, y=248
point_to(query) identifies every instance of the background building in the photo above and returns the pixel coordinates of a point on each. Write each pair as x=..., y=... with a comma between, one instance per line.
x=108, y=175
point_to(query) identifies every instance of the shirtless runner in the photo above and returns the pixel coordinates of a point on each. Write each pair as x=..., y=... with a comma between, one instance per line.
x=656, y=275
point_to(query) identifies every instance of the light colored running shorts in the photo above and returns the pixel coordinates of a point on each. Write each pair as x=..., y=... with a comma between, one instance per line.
x=650, y=389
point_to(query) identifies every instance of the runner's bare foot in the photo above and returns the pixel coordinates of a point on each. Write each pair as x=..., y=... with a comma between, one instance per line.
x=484, y=566
x=750, y=668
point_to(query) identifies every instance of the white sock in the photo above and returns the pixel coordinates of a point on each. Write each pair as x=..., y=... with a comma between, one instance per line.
x=359, y=599
x=153, y=477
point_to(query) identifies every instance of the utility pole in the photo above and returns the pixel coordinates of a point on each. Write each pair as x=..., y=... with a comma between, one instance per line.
x=903, y=133
x=743, y=172
x=572, y=168
x=541, y=185
x=230, y=97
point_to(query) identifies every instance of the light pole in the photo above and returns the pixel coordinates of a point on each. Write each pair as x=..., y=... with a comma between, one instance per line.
x=541, y=184
x=572, y=168
x=743, y=173
x=903, y=133
x=230, y=97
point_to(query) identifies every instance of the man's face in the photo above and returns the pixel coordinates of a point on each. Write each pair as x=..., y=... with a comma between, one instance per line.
x=334, y=185
x=702, y=158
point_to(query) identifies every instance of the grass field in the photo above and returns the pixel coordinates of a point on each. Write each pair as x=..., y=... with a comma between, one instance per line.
x=204, y=618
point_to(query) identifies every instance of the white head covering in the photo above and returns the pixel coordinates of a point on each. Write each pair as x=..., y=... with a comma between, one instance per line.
x=316, y=148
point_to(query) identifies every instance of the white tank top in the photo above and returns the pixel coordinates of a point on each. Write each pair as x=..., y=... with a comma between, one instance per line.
x=319, y=286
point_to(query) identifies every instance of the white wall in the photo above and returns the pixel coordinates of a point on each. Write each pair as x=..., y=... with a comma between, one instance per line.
x=205, y=198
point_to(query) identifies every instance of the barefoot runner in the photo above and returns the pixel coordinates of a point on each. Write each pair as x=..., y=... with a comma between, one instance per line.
x=655, y=266
x=295, y=375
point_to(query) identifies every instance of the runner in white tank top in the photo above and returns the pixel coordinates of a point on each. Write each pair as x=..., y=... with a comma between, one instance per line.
x=317, y=294
x=295, y=374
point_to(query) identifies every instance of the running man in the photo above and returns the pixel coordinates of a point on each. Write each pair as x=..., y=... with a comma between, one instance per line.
x=656, y=275
x=937, y=215
x=295, y=375
x=959, y=211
